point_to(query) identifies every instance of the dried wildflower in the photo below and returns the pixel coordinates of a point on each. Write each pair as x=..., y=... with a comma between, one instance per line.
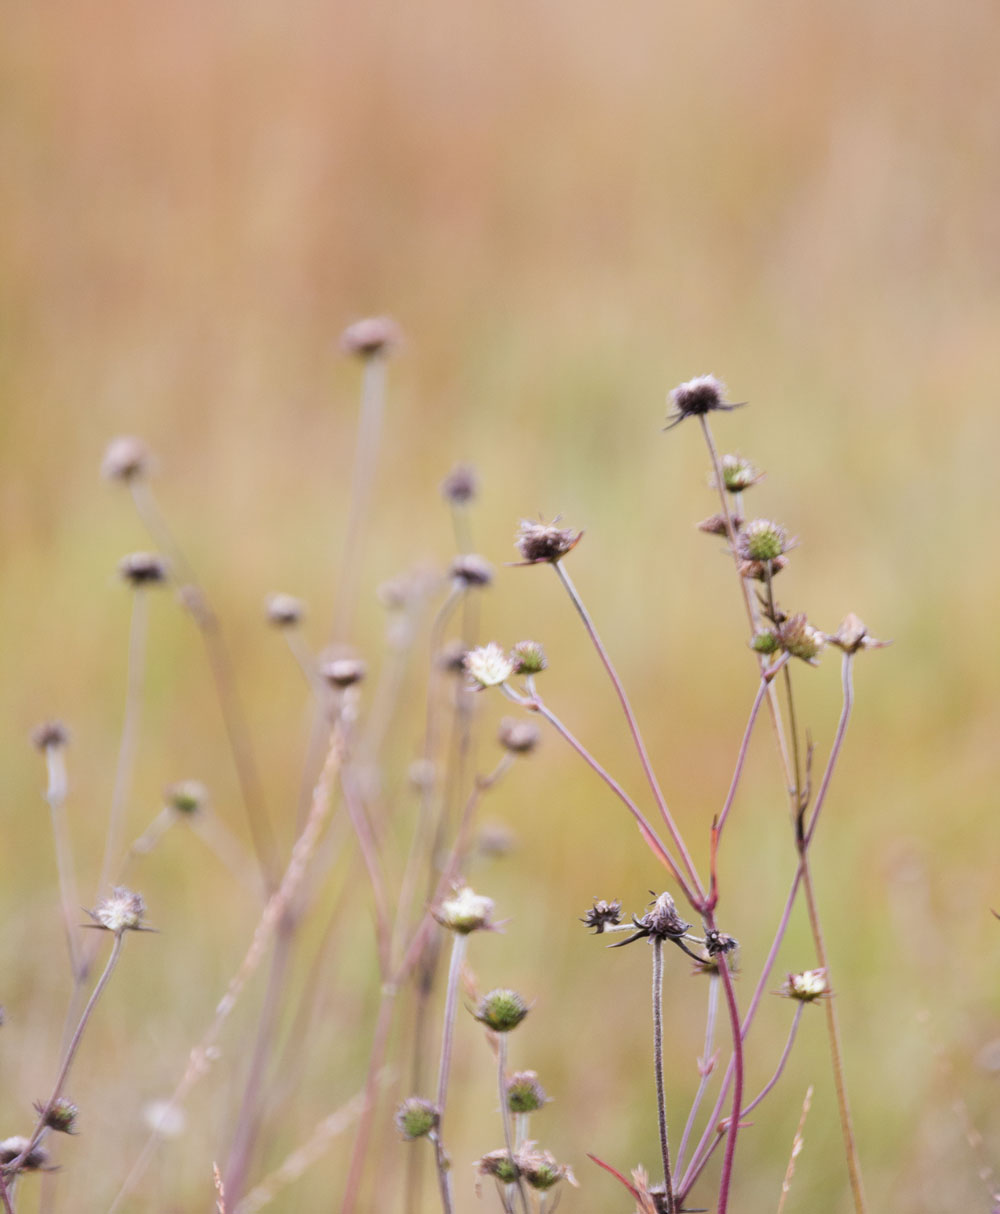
x=50, y=735
x=766, y=641
x=342, y=672
x=14, y=1147
x=762, y=571
x=715, y=524
x=661, y=923
x=524, y=1093
x=737, y=474
x=500, y=1166
x=125, y=459
x=540, y=1169
x=603, y=915
x=460, y=485
x=519, y=737
x=121, y=911
x=377, y=335
x=852, y=635
x=61, y=1117
x=544, y=542
x=415, y=1118
x=704, y=394
x=798, y=637
x=501, y=1010
x=488, y=666
x=143, y=569
x=465, y=912
x=807, y=986
x=528, y=658
x=284, y=610
x=762, y=540
x=471, y=570
x=717, y=943
x=186, y=797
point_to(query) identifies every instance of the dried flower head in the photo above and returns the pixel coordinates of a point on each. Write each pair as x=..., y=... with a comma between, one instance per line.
x=143, y=569
x=528, y=658
x=519, y=737
x=540, y=1169
x=499, y=1165
x=603, y=915
x=186, y=797
x=524, y=1093
x=50, y=735
x=737, y=474
x=715, y=524
x=501, y=1010
x=451, y=657
x=465, y=911
x=797, y=637
x=121, y=911
x=471, y=570
x=662, y=922
x=698, y=396
x=488, y=665
x=342, y=672
x=806, y=987
x=852, y=635
x=14, y=1147
x=717, y=943
x=126, y=458
x=60, y=1116
x=460, y=485
x=765, y=641
x=544, y=542
x=284, y=610
x=377, y=335
x=762, y=540
x=415, y=1118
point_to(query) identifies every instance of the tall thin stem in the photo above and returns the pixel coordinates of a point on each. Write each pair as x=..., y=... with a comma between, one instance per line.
x=725, y=1179
x=661, y=1098
x=705, y=1066
x=55, y=795
x=458, y=946
x=508, y=1138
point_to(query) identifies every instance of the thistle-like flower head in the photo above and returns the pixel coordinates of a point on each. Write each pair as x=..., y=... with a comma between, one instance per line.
x=488, y=665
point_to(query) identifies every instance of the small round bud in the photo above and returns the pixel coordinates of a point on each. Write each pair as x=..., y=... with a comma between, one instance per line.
x=524, y=1093
x=540, y=1169
x=762, y=540
x=415, y=1118
x=603, y=915
x=186, y=797
x=143, y=569
x=528, y=658
x=807, y=986
x=126, y=458
x=471, y=570
x=766, y=641
x=519, y=737
x=284, y=610
x=342, y=672
x=500, y=1166
x=377, y=335
x=698, y=396
x=50, y=735
x=465, y=912
x=501, y=1010
x=488, y=666
x=451, y=657
x=14, y=1147
x=541, y=542
x=121, y=911
x=61, y=1117
x=460, y=485
x=737, y=474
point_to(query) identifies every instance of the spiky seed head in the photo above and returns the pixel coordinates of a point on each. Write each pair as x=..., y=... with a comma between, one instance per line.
x=698, y=396
x=61, y=1117
x=500, y=1166
x=488, y=665
x=12, y=1148
x=501, y=1010
x=519, y=737
x=715, y=524
x=460, y=485
x=541, y=542
x=143, y=569
x=126, y=458
x=540, y=1168
x=376, y=335
x=737, y=474
x=186, y=797
x=50, y=735
x=471, y=570
x=603, y=915
x=806, y=987
x=663, y=919
x=528, y=658
x=121, y=911
x=342, y=672
x=766, y=641
x=762, y=540
x=465, y=911
x=415, y=1118
x=798, y=637
x=524, y=1093
x=284, y=610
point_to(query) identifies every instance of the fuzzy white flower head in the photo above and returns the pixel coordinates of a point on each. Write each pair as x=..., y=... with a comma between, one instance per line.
x=465, y=912
x=121, y=911
x=488, y=666
x=806, y=986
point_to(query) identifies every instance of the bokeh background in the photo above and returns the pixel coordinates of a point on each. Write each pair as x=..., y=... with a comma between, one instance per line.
x=569, y=208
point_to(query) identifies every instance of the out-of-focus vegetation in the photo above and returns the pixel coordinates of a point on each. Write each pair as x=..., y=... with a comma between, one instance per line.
x=569, y=208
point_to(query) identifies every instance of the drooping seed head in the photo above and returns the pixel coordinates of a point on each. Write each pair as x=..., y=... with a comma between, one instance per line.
x=488, y=665
x=524, y=1093
x=519, y=737
x=471, y=570
x=50, y=735
x=460, y=485
x=342, y=672
x=15, y=1146
x=415, y=1118
x=126, y=458
x=143, y=569
x=61, y=1117
x=284, y=610
x=465, y=911
x=541, y=542
x=501, y=1010
x=376, y=335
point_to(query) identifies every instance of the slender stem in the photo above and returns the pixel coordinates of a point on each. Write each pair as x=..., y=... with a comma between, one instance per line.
x=734, y=1125
x=369, y=855
x=458, y=946
x=661, y=1099
x=768, y=1087
x=379, y=1042
x=5, y=1196
x=55, y=794
x=633, y=726
x=705, y=1066
x=508, y=1138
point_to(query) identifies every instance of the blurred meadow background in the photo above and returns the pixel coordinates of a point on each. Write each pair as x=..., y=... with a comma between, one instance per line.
x=569, y=209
